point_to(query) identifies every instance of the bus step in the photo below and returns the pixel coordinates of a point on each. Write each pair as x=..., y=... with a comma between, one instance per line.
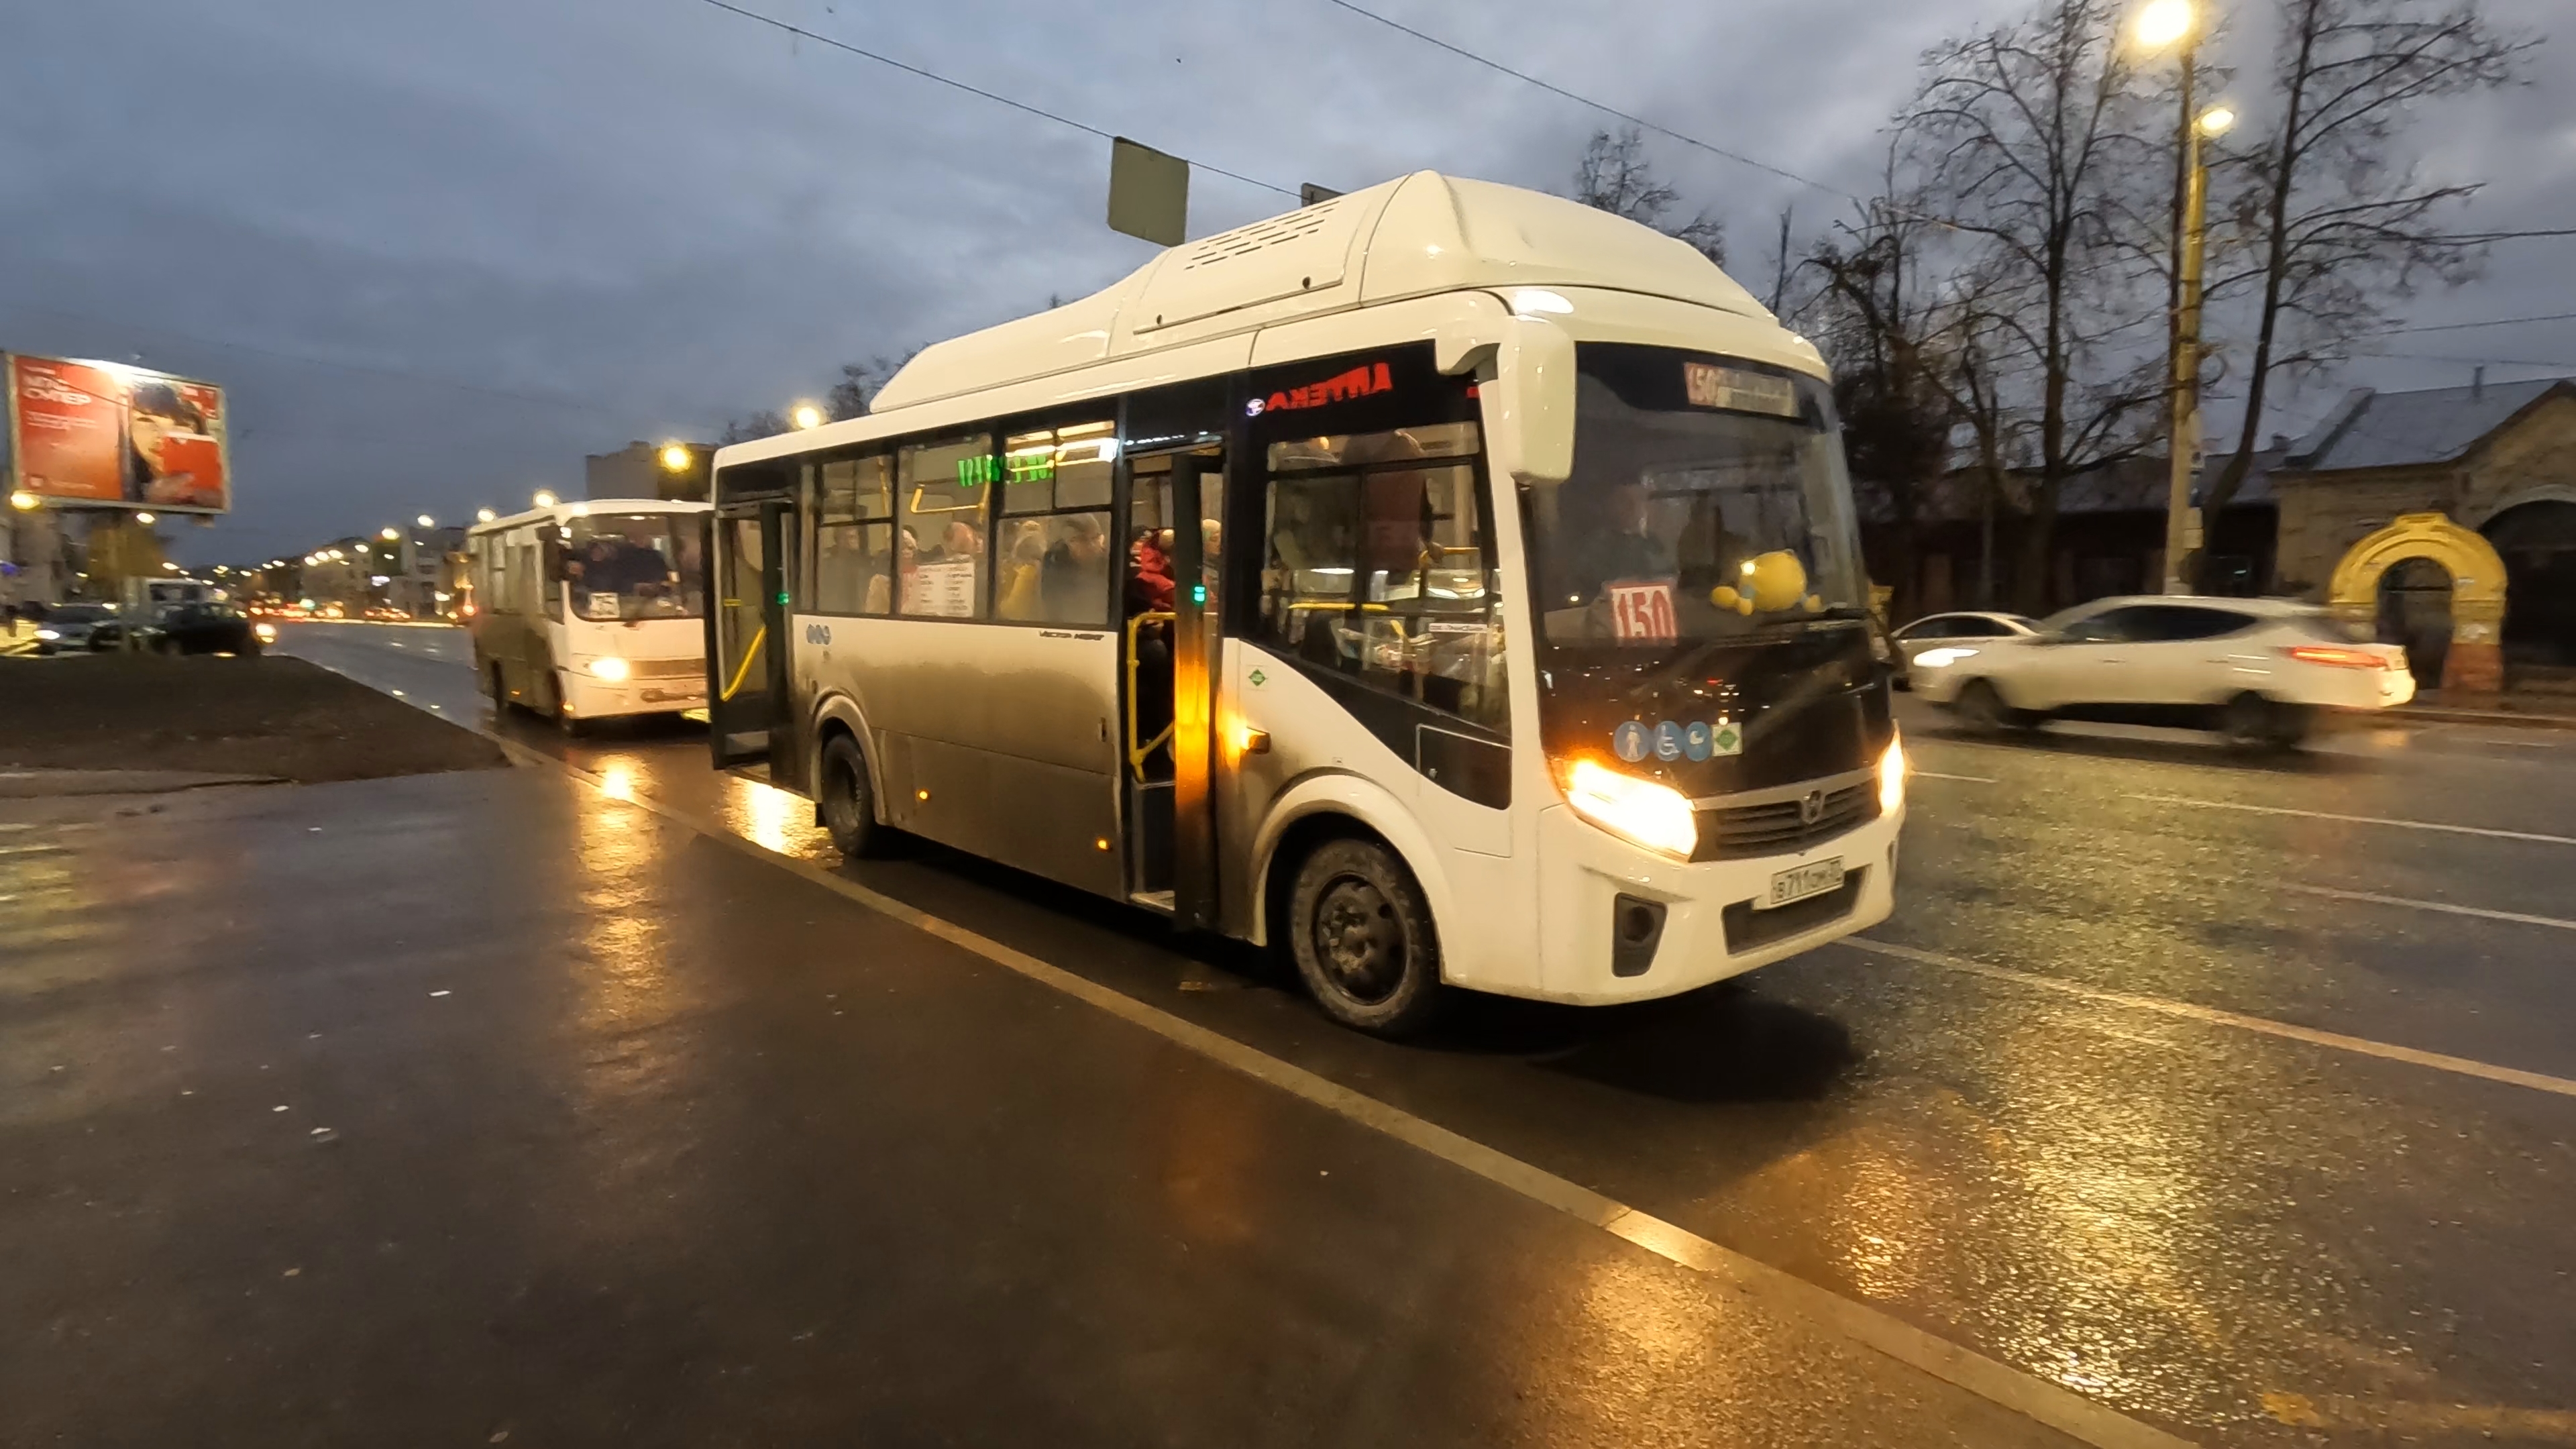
x=1153, y=900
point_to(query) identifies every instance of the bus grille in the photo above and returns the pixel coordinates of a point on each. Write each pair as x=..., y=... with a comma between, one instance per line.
x=1780, y=827
x=666, y=668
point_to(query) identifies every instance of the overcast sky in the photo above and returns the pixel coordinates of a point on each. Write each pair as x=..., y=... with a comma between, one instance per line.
x=439, y=251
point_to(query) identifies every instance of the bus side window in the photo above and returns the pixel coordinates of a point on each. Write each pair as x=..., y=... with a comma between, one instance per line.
x=941, y=492
x=1378, y=563
x=854, y=539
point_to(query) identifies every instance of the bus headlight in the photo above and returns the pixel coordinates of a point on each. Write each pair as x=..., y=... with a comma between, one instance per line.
x=1891, y=776
x=610, y=668
x=1657, y=817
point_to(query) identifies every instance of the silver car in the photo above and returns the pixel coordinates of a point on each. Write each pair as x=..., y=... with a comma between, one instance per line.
x=1934, y=631
x=67, y=627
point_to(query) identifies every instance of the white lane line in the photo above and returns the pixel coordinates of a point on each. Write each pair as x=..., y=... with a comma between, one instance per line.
x=1937, y=775
x=2376, y=899
x=2361, y=1046
x=2036, y=1398
x=2361, y=819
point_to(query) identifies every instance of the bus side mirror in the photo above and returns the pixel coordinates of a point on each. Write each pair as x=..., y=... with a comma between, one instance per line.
x=1535, y=419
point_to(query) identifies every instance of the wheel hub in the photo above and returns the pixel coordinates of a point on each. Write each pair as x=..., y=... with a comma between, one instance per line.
x=1358, y=940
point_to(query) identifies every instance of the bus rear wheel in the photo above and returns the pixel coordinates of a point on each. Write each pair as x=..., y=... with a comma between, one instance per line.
x=849, y=803
x=1362, y=937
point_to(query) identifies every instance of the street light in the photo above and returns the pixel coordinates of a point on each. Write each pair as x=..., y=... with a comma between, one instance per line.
x=544, y=499
x=426, y=521
x=2177, y=25
x=806, y=415
x=484, y=515
x=2162, y=24
x=675, y=458
x=388, y=533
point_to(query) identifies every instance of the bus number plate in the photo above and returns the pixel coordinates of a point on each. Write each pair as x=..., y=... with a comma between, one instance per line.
x=1642, y=611
x=1801, y=881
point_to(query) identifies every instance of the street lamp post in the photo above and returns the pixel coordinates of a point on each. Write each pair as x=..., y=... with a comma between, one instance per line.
x=2176, y=25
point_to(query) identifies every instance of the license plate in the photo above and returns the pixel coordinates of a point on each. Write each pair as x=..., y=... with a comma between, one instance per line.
x=1801, y=881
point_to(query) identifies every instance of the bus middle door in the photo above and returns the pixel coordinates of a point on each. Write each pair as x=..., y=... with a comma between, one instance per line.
x=747, y=646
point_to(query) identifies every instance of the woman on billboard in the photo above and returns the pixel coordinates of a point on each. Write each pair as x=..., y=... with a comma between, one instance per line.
x=172, y=457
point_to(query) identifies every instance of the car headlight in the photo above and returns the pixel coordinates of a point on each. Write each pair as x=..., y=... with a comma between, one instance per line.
x=1891, y=776
x=49, y=633
x=1935, y=658
x=610, y=668
x=267, y=632
x=1655, y=816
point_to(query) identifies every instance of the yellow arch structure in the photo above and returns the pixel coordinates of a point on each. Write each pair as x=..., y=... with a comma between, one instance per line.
x=2475, y=663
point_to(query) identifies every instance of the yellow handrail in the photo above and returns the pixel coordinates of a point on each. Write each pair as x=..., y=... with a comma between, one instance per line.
x=749, y=654
x=1136, y=753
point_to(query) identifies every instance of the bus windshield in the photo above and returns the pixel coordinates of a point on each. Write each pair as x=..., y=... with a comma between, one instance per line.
x=634, y=566
x=1708, y=501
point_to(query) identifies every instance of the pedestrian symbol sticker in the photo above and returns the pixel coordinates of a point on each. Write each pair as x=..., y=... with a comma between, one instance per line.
x=1629, y=740
x=1668, y=741
x=1727, y=738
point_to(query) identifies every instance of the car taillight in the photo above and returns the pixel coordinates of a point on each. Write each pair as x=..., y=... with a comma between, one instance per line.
x=2338, y=657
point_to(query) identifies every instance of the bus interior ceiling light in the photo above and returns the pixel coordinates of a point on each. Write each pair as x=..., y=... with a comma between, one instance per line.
x=1653, y=815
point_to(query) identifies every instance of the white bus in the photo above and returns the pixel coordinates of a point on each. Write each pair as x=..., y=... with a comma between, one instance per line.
x=1452, y=584
x=584, y=610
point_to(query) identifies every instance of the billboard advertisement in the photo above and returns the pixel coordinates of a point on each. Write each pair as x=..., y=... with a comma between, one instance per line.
x=105, y=435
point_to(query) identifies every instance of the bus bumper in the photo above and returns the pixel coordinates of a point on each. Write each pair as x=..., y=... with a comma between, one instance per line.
x=586, y=697
x=1617, y=923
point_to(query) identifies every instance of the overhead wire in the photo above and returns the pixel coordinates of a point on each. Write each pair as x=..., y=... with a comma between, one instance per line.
x=952, y=83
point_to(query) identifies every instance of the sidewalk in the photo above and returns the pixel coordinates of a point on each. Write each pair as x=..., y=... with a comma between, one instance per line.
x=479, y=1108
x=2529, y=711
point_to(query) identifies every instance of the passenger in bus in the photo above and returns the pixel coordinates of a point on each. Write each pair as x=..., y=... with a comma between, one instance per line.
x=1016, y=590
x=884, y=571
x=1149, y=580
x=1073, y=578
x=961, y=540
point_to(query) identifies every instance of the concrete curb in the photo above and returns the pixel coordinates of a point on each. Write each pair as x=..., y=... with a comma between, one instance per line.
x=2510, y=718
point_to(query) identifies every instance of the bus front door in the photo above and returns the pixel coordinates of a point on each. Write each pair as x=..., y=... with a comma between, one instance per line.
x=747, y=650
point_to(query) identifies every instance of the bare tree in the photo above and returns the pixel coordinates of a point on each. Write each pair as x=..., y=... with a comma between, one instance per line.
x=767, y=423
x=860, y=381
x=1875, y=317
x=1615, y=177
x=2339, y=223
x=2028, y=142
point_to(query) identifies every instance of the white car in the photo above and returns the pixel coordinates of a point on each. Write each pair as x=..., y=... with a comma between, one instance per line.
x=2259, y=671
x=1942, y=631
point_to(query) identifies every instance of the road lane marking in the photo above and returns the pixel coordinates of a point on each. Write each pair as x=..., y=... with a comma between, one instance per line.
x=2374, y=898
x=2039, y=1399
x=2361, y=819
x=2210, y=1015
x=1937, y=775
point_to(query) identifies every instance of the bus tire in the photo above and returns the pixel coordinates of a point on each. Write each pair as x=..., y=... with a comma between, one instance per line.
x=1362, y=937
x=848, y=801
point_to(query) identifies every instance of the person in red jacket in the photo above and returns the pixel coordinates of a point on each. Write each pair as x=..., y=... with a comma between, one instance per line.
x=1149, y=585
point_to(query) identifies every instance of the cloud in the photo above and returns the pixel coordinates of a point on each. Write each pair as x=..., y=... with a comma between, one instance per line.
x=439, y=252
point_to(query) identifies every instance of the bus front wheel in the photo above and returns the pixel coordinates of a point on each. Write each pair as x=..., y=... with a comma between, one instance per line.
x=1362, y=936
x=849, y=805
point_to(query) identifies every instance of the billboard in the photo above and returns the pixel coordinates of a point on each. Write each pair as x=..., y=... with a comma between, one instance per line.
x=105, y=435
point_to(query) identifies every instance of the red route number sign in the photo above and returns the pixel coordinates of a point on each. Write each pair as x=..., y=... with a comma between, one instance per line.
x=1642, y=611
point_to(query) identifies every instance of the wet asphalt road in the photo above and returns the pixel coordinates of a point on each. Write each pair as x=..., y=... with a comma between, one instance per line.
x=2367, y=1235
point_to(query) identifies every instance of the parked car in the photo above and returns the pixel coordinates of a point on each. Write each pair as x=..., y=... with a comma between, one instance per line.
x=194, y=629
x=1934, y=631
x=68, y=626
x=2259, y=671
